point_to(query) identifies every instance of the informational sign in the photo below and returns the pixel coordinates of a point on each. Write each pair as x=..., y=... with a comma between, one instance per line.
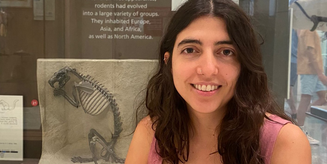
x=11, y=128
x=105, y=27
x=124, y=20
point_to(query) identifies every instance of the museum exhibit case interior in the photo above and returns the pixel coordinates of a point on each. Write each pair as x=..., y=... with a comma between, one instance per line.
x=39, y=38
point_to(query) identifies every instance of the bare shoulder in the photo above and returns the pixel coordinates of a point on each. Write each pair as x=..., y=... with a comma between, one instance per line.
x=292, y=146
x=145, y=126
x=141, y=143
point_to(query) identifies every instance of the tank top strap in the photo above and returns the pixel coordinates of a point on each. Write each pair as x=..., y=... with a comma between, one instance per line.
x=154, y=157
x=268, y=135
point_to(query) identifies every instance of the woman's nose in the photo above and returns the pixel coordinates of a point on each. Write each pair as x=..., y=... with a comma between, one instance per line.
x=208, y=65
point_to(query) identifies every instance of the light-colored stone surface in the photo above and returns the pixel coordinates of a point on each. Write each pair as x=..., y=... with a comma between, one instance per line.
x=65, y=128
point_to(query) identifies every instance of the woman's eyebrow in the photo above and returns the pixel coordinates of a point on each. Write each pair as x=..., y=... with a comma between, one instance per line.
x=224, y=42
x=185, y=41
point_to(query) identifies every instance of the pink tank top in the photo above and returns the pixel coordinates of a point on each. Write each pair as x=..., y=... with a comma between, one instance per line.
x=269, y=133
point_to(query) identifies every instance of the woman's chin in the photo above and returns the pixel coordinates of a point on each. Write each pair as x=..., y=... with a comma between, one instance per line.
x=204, y=108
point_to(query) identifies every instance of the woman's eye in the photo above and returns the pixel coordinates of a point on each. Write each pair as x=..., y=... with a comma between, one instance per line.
x=188, y=50
x=227, y=52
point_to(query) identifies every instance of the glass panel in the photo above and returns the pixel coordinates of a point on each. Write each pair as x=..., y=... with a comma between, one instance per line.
x=307, y=103
x=21, y=43
x=118, y=29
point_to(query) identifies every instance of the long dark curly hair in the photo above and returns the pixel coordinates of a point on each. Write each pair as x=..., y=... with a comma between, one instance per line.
x=238, y=140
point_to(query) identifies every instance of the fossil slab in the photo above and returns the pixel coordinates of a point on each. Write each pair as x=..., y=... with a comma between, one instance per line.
x=72, y=133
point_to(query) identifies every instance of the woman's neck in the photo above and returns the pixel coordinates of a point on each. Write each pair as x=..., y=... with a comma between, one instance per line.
x=204, y=130
x=204, y=125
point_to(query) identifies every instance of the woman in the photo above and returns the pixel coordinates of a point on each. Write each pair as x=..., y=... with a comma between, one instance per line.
x=209, y=101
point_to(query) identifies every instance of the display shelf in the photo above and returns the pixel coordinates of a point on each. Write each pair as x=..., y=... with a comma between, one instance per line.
x=25, y=161
x=319, y=112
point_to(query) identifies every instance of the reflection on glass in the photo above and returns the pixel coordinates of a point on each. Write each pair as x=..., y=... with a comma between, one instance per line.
x=308, y=60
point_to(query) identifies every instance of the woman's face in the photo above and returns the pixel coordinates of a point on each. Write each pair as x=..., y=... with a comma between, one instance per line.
x=204, y=65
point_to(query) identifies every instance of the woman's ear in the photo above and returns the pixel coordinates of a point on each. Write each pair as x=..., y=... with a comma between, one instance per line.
x=166, y=57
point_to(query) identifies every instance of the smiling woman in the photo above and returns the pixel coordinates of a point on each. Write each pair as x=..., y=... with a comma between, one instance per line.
x=204, y=56
x=209, y=100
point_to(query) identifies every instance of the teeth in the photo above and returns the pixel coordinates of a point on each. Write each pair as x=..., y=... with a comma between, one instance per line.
x=203, y=88
x=206, y=88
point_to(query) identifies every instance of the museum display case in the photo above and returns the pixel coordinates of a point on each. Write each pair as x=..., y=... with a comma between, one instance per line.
x=41, y=37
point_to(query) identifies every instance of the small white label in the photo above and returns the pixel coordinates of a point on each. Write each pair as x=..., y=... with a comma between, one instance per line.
x=175, y=4
x=236, y=1
x=11, y=128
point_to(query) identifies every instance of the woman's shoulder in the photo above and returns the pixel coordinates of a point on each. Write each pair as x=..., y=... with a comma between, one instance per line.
x=146, y=127
x=292, y=146
x=273, y=119
x=271, y=129
x=284, y=142
x=141, y=143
